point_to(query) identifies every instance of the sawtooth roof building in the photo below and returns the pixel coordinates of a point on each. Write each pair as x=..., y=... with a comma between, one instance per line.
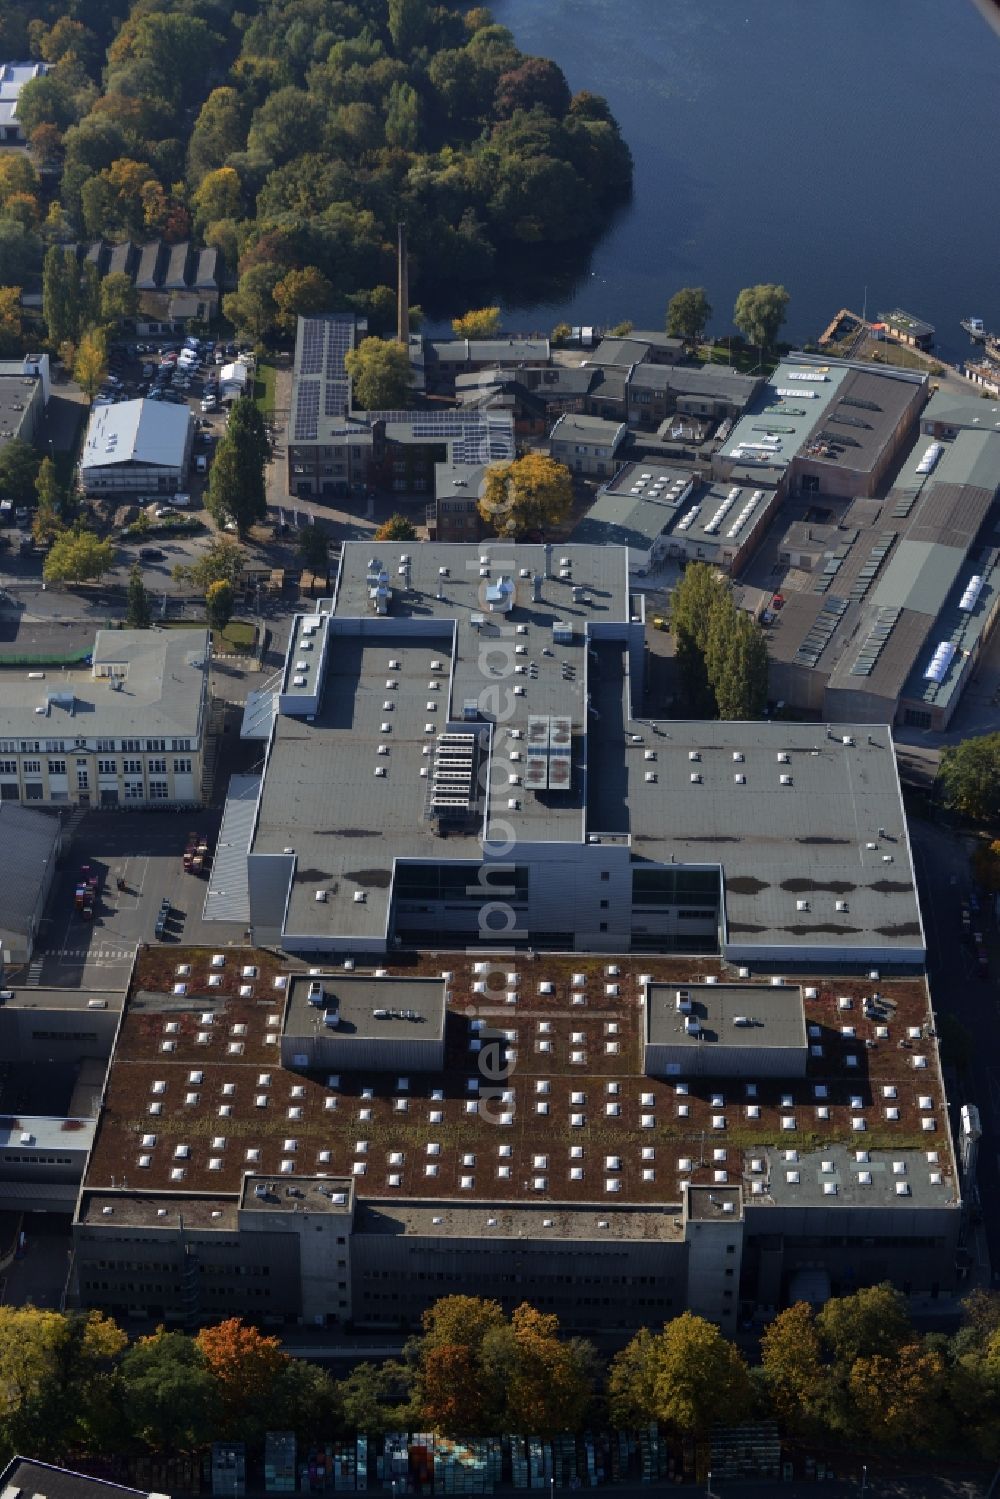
x=888, y=600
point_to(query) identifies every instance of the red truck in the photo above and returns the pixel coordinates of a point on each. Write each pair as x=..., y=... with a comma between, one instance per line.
x=85, y=897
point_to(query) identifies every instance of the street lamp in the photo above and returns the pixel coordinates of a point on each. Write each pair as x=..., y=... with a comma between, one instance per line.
x=708, y=1484
x=864, y=1480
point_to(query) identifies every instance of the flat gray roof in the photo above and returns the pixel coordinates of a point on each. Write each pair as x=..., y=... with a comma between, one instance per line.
x=161, y=672
x=803, y=1178
x=29, y=839
x=15, y=398
x=784, y=411
x=641, y=502
x=358, y=998
x=555, y=1220
x=775, y=1016
x=776, y=843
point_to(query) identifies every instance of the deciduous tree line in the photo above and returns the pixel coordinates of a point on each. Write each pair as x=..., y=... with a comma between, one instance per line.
x=854, y=1371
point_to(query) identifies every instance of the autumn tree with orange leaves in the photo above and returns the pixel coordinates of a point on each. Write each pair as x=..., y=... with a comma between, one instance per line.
x=476, y=1371
x=247, y=1368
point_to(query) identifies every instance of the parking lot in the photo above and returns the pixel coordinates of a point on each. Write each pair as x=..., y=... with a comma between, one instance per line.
x=145, y=849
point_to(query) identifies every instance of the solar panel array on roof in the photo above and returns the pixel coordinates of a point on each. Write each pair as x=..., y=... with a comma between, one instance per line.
x=313, y=347
x=876, y=557
x=875, y=641
x=819, y=635
x=306, y=411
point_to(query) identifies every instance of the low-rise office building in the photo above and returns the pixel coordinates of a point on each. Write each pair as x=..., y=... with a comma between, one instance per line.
x=129, y=730
x=661, y=511
x=586, y=444
x=137, y=448
x=626, y=1143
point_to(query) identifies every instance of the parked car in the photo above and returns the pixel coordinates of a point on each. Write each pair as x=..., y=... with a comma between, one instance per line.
x=181, y=501
x=201, y=464
x=150, y=554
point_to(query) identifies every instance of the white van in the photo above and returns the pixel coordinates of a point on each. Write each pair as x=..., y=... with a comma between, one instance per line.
x=201, y=464
x=182, y=501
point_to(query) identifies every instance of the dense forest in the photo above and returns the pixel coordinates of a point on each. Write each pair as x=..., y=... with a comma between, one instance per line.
x=293, y=134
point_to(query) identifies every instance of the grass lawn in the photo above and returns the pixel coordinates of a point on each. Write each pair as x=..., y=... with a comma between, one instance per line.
x=263, y=387
x=746, y=361
x=238, y=635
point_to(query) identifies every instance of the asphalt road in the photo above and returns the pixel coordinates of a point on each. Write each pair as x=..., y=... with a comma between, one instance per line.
x=941, y=860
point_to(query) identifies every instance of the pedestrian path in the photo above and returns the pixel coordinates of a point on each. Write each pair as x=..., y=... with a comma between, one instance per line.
x=98, y=954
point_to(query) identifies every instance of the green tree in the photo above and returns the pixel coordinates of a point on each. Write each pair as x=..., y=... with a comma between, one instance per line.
x=368, y=1399
x=169, y=1391
x=300, y=293
x=697, y=594
x=407, y=25
x=19, y=465
x=236, y=488
x=138, y=615
x=736, y=662
x=222, y=560
x=969, y=775
x=689, y=313
x=219, y=605
x=397, y=528
x=314, y=548
x=90, y=367
x=55, y=1371
x=760, y=312
x=402, y=117
x=621, y=330
x=60, y=295
x=480, y=322
x=77, y=556
x=47, y=521
x=534, y=493
x=251, y=308
x=692, y=1377
x=561, y=334
x=119, y=298
x=873, y=1321
x=793, y=1367
x=380, y=375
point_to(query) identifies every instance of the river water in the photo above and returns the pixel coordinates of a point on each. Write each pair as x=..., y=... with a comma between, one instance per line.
x=832, y=145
